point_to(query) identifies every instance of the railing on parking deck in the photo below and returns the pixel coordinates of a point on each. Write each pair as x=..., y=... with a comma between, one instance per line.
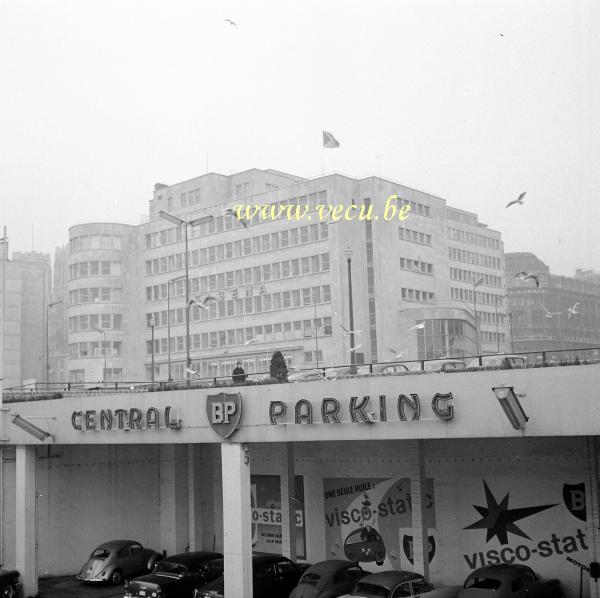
x=529, y=359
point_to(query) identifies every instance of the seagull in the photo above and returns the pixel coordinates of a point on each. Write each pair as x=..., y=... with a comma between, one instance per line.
x=349, y=332
x=232, y=23
x=191, y=371
x=419, y=326
x=397, y=355
x=231, y=212
x=519, y=200
x=200, y=305
x=573, y=311
x=249, y=341
x=355, y=347
x=528, y=276
x=549, y=314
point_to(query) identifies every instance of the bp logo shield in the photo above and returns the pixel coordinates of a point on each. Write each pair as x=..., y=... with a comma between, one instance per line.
x=224, y=412
x=574, y=497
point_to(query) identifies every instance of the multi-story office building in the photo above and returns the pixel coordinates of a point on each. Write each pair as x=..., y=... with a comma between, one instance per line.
x=282, y=283
x=543, y=317
x=25, y=286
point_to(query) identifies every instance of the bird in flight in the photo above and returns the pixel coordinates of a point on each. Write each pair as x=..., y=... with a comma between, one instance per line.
x=397, y=354
x=573, y=311
x=249, y=341
x=355, y=347
x=549, y=314
x=519, y=200
x=349, y=332
x=418, y=326
x=528, y=276
x=232, y=23
x=231, y=212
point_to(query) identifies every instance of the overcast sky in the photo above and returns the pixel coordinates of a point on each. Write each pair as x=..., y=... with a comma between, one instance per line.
x=472, y=101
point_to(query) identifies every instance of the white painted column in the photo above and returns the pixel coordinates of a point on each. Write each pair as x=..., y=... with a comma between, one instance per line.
x=591, y=506
x=25, y=519
x=288, y=502
x=417, y=494
x=174, y=511
x=237, y=520
x=191, y=464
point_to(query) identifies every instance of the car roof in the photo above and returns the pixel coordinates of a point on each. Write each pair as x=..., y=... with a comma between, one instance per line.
x=325, y=568
x=503, y=569
x=187, y=558
x=390, y=579
x=116, y=544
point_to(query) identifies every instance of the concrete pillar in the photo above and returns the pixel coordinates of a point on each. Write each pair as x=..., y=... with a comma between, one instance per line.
x=191, y=464
x=288, y=502
x=237, y=520
x=25, y=519
x=591, y=506
x=417, y=492
x=174, y=511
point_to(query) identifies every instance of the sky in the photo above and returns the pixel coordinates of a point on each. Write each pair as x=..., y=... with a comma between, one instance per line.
x=473, y=101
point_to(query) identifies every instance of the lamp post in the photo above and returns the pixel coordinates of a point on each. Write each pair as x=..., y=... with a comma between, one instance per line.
x=48, y=308
x=316, y=337
x=169, y=283
x=475, y=285
x=103, y=332
x=348, y=253
x=185, y=224
x=152, y=323
x=497, y=324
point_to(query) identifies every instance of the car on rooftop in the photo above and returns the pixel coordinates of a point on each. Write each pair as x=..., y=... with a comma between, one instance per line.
x=177, y=576
x=114, y=561
x=381, y=369
x=328, y=579
x=499, y=361
x=399, y=584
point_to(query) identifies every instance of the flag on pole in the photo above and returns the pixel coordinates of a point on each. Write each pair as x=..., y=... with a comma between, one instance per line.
x=330, y=141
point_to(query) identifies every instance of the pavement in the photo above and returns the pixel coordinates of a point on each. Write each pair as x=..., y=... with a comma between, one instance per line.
x=68, y=587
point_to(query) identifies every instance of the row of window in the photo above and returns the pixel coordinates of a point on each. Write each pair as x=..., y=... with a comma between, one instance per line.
x=467, y=296
x=246, y=276
x=420, y=209
x=461, y=216
x=417, y=295
x=416, y=266
x=470, y=276
x=94, y=295
x=406, y=234
x=492, y=337
x=457, y=234
x=110, y=375
x=103, y=268
x=95, y=349
x=281, y=331
x=241, y=248
x=89, y=321
x=84, y=242
x=249, y=305
x=477, y=259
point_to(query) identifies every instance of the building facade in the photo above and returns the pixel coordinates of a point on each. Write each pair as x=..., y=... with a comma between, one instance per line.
x=562, y=313
x=427, y=285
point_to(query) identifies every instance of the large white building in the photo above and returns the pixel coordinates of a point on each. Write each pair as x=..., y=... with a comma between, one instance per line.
x=281, y=283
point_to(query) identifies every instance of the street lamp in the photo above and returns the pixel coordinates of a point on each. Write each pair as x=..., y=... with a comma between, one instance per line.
x=475, y=285
x=152, y=324
x=103, y=332
x=185, y=224
x=348, y=253
x=48, y=307
x=169, y=283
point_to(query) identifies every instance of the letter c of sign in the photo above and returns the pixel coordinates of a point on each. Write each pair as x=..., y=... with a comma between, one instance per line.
x=74, y=417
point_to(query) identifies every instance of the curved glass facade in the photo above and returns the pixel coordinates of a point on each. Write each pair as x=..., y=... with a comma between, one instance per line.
x=446, y=338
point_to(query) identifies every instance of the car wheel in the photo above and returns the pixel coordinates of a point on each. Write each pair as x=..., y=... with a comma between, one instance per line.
x=116, y=576
x=8, y=592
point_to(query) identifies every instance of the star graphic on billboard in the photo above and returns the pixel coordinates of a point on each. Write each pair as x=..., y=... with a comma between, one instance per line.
x=498, y=519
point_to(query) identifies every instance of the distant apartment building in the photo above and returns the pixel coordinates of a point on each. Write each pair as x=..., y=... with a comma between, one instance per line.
x=281, y=283
x=25, y=285
x=562, y=313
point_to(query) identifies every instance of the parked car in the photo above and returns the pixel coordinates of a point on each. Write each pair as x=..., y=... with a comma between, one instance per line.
x=117, y=560
x=499, y=361
x=381, y=369
x=273, y=576
x=9, y=583
x=502, y=581
x=337, y=373
x=328, y=579
x=177, y=576
x=305, y=375
x=449, y=364
x=398, y=584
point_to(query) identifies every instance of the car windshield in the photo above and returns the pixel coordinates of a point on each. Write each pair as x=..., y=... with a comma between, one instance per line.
x=310, y=578
x=369, y=589
x=483, y=583
x=100, y=553
x=167, y=568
